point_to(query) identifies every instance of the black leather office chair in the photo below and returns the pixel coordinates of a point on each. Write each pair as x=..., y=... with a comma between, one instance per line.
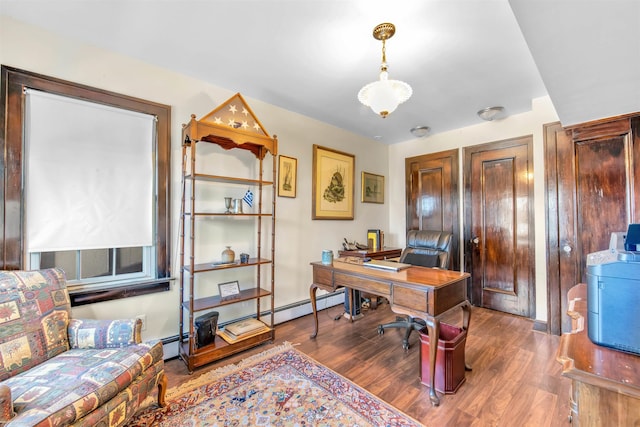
x=426, y=248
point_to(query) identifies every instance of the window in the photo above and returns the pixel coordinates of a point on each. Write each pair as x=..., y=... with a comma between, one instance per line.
x=107, y=156
x=90, y=267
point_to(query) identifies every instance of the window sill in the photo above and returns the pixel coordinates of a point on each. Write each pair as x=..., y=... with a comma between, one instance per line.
x=91, y=296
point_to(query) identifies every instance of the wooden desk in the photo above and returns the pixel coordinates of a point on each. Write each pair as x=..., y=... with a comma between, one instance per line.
x=605, y=389
x=420, y=292
x=385, y=253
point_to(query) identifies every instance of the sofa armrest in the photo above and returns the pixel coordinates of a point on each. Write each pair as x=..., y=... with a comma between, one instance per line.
x=98, y=334
x=6, y=404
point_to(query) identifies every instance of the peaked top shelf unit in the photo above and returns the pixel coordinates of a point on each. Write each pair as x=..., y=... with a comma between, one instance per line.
x=223, y=128
x=231, y=126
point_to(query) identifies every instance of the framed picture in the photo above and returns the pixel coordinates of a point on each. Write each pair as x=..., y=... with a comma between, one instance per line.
x=287, y=176
x=333, y=173
x=372, y=188
x=229, y=290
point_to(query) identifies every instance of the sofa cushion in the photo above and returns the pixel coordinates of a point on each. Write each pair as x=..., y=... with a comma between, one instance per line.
x=73, y=384
x=127, y=403
x=34, y=315
x=88, y=333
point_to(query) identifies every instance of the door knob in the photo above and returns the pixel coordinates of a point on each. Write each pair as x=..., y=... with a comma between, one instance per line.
x=475, y=240
x=567, y=248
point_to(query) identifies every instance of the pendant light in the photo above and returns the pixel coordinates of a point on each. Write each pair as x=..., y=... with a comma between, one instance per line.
x=383, y=96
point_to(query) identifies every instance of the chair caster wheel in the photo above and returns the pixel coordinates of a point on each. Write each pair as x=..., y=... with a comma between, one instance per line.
x=405, y=346
x=380, y=330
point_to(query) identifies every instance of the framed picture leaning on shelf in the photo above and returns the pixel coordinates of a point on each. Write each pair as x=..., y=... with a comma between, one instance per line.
x=287, y=176
x=333, y=173
x=229, y=290
x=372, y=188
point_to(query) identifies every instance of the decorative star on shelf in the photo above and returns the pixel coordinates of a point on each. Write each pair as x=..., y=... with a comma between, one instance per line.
x=225, y=115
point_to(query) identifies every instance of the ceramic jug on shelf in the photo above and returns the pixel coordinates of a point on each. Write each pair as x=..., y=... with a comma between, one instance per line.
x=228, y=255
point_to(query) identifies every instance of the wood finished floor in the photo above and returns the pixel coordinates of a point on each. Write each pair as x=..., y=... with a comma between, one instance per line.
x=515, y=381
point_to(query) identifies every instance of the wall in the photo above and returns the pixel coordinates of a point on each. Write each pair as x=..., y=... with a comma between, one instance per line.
x=300, y=239
x=529, y=123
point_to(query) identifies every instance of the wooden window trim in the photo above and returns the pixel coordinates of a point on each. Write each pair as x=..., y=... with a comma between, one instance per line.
x=12, y=256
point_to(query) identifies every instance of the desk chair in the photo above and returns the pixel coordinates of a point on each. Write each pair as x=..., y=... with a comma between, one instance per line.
x=426, y=248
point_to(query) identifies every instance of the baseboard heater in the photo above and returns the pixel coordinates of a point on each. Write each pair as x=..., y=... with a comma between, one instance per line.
x=175, y=338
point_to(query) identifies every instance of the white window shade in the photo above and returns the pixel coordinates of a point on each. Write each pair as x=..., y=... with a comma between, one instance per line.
x=89, y=175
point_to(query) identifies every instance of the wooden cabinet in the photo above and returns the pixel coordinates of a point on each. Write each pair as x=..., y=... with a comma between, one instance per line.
x=235, y=133
x=605, y=382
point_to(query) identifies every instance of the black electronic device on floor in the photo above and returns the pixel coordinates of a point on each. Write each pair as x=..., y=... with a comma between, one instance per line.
x=206, y=326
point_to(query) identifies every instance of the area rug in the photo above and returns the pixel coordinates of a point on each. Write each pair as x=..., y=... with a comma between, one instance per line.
x=279, y=387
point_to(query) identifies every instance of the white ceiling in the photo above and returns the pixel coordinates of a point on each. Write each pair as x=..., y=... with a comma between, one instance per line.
x=312, y=56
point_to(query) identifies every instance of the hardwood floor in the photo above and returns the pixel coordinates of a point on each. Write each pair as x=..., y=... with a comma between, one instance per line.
x=515, y=380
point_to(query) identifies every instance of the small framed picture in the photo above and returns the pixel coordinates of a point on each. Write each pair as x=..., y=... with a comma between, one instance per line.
x=287, y=176
x=229, y=290
x=372, y=188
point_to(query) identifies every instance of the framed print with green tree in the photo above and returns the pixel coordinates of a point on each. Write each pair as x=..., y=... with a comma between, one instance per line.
x=333, y=177
x=372, y=188
x=287, y=176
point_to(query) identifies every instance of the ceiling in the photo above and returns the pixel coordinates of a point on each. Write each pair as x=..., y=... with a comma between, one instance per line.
x=313, y=56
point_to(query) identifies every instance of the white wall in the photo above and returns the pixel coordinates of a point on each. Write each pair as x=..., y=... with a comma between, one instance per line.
x=300, y=240
x=529, y=123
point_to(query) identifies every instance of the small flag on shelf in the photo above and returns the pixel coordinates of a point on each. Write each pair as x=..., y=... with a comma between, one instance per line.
x=248, y=198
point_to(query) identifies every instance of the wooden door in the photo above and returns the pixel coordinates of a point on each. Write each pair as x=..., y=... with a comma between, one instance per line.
x=592, y=171
x=499, y=225
x=432, y=196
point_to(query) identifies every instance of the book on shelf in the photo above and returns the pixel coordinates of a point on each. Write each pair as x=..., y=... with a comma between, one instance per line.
x=375, y=239
x=245, y=326
x=233, y=335
x=242, y=329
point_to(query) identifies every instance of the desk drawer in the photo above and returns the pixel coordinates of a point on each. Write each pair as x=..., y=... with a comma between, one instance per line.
x=410, y=298
x=323, y=277
x=363, y=284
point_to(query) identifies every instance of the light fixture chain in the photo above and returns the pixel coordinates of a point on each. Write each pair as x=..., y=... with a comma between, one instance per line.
x=384, y=53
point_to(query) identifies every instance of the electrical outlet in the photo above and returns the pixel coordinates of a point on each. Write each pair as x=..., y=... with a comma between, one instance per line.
x=143, y=317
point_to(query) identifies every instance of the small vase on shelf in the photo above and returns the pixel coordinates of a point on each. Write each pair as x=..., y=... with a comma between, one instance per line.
x=228, y=255
x=237, y=206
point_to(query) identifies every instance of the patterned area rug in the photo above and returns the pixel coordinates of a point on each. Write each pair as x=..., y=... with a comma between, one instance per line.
x=279, y=387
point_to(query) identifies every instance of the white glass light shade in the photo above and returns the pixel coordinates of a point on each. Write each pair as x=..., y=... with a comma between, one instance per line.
x=420, y=131
x=491, y=113
x=384, y=96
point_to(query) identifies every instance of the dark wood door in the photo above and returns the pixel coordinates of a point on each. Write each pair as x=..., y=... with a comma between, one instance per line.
x=499, y=225
x=592, y=171
x=432, y=196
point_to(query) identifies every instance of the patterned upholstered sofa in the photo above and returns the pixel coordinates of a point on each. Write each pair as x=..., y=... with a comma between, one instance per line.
x=58, y=371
